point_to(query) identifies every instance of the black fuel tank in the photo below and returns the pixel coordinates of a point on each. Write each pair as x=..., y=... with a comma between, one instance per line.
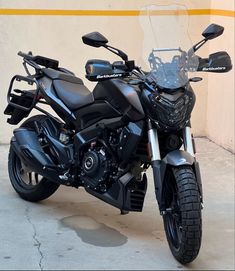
x=93, y=113
x=122, y=97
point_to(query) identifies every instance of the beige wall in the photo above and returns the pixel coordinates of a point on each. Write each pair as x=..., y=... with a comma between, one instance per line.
x=220, y=101
x=60, y=37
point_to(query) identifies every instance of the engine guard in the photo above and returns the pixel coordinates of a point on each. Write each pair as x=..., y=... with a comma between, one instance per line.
x=126, y=194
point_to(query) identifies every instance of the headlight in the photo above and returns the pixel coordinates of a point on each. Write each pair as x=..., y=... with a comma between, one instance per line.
x=172, y=111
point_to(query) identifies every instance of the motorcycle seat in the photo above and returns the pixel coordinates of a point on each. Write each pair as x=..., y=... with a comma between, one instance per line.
x=70, y=89
x=60, y=75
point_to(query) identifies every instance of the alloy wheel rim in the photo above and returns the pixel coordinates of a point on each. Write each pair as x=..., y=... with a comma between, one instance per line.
x=174, y=222
x=26, y=177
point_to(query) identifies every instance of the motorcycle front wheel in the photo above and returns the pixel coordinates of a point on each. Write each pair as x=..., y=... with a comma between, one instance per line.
x=182, y=219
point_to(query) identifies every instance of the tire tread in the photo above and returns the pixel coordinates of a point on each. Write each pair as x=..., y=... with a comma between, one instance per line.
x=190, y=208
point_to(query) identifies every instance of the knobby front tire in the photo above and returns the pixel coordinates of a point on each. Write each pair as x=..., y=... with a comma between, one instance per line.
x=182, y=221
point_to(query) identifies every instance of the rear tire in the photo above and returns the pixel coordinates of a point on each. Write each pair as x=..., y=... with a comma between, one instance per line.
x=42, y=187
x=182, y=221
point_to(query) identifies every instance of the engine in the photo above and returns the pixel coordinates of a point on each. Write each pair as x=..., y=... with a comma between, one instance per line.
x=106, y=159
x=97, y=166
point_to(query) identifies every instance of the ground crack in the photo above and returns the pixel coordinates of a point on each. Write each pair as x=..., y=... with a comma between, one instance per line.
x=37, y=242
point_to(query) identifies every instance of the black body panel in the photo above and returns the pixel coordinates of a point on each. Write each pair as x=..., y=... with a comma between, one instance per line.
x=93, y=113
x=129, y=139
x=125, y=194
x=96, y=130
x=122, y=97
x=113, y=98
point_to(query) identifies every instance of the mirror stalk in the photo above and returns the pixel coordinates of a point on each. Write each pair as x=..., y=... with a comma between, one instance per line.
x=197, y=46
x=116, y=52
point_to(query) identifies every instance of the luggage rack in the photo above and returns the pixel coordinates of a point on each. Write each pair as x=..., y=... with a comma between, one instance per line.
x=27, y=98
x=21, y=102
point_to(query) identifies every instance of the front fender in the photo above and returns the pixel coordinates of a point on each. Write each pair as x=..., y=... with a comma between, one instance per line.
x=173, y=159
x=178, y=158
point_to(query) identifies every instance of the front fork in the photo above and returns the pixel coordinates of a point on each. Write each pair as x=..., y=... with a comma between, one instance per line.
x=174, y=158
x=154, y=142
x=188, y=141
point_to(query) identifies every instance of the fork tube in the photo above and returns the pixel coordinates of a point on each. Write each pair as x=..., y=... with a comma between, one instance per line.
x=154, y=143
x=156, y=163
x=188, y=143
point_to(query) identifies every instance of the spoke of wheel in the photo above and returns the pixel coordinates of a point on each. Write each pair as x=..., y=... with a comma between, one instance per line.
x=36, y=178
x=23, y=174
x=30, y=177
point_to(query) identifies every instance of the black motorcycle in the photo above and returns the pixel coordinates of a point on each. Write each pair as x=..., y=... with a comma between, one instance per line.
x=105, y=140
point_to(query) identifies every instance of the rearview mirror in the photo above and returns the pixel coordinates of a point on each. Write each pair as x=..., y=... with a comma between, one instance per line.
x=213, y=31
x=94, y=39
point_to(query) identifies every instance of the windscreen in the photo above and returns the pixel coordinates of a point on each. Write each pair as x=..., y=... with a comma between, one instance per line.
x=166, y=44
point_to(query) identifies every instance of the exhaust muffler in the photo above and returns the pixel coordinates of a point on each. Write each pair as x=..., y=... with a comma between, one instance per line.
x=27, y=147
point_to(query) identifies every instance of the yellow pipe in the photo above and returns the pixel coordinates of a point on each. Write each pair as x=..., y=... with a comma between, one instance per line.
x=61, y=12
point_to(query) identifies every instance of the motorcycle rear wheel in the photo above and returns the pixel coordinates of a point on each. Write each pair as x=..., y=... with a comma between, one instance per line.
x=182, y=220
x=29, y=185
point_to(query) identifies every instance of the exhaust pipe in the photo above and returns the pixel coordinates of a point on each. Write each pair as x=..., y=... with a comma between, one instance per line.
x=26, y=145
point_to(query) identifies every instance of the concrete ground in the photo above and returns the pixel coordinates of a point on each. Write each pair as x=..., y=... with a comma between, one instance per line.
x=73, y=230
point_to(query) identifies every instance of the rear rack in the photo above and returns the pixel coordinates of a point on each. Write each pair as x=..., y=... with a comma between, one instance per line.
x=30, y=95
x=39, y=60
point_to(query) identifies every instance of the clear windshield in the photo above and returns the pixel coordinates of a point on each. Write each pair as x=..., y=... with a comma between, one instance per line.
x=166, y=44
